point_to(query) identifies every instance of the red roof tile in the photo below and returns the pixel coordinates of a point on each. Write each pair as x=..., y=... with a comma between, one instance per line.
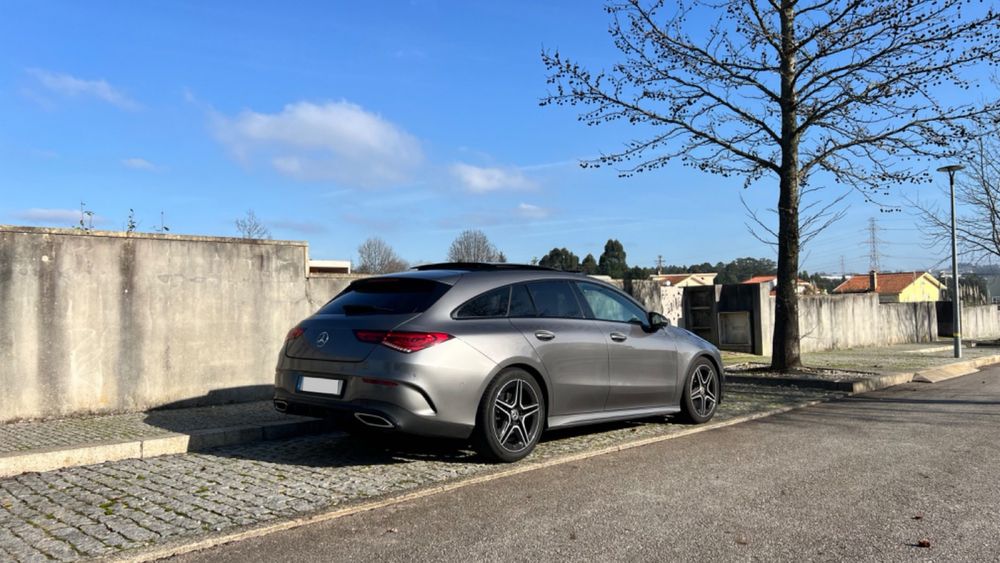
x=760, y=279
x=887, y=284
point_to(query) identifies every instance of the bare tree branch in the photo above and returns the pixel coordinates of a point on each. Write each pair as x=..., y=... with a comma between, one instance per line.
x=249, y=226
x=787, y=89
x=375, y=256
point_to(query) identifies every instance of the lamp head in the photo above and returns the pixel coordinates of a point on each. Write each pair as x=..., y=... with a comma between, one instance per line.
x=951, y=168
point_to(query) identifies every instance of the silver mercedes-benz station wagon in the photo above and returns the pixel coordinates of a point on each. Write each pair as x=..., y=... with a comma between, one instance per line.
x=495, y=352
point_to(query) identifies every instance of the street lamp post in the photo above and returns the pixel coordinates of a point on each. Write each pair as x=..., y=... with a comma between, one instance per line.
x=956, y=300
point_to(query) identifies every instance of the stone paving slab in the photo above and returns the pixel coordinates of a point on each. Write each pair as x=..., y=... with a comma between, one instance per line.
x=117, y=507
x=75, y=431
x=55, y=444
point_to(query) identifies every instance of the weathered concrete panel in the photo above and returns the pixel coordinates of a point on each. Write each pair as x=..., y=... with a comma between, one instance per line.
x=114, y=322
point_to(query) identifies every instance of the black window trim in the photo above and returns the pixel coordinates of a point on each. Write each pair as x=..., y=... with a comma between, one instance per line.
x=581, y=302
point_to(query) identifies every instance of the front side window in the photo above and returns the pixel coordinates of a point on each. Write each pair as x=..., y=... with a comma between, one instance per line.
x=608, y=305
x=554, y=299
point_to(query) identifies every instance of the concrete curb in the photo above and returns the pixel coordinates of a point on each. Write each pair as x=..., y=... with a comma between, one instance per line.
x=860, y=386
x=874, y=383
x=953, y=370
x=59, y=457
x=181, y=546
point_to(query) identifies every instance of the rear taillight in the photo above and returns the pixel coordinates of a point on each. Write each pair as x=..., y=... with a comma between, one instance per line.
x=406, y=342
x=294, y=333
x=370, y=336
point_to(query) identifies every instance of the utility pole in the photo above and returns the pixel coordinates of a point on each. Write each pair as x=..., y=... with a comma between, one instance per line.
x=843, y=267
x=873, y=241
x=659, y=264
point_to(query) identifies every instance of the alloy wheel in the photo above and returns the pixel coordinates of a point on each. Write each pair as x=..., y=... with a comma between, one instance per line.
x=515, y=415
x=704, y=390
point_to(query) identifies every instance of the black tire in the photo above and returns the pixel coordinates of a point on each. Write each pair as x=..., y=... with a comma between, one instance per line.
x=503, y=432
x=702, y=389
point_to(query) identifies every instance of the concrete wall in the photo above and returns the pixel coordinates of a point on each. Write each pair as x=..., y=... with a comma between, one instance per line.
x=666, y=300
x=980, y=322
x=114, y=322
x=833, y=322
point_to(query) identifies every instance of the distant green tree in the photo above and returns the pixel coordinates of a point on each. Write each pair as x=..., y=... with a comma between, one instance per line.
x=639, y=273
x=560, y=259
x=612, y=262
x=589, y=265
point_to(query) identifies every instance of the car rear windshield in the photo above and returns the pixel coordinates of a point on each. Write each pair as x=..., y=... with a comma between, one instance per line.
x=386, y=296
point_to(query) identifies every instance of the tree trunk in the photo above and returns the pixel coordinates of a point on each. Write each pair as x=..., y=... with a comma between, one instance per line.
x=785, y=350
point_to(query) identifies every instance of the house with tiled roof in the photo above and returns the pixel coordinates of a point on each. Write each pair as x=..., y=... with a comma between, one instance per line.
x=685, y=280
x=899, y=287
x=802, y=286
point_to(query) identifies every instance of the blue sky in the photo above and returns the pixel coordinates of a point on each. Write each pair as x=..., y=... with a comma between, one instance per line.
x=336, y=121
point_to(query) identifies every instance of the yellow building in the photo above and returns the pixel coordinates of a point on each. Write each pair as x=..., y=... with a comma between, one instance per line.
x=904, y=287
x=684, y=280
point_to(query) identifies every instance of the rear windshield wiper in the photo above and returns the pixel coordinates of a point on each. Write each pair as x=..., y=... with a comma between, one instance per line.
x=362, y=309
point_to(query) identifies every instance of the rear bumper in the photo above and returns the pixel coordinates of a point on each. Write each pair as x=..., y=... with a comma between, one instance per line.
x=401, y=418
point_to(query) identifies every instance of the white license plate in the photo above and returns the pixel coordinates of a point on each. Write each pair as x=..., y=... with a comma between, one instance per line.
x=321, y=385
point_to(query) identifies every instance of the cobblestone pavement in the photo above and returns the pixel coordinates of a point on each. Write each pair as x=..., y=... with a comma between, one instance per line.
x=24, y=436
x=86, y=512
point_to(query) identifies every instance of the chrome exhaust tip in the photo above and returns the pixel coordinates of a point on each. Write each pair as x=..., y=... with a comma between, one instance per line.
x=280, y=406
x=373, y=420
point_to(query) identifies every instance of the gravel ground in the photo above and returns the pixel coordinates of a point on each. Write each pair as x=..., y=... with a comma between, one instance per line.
x=85, y=512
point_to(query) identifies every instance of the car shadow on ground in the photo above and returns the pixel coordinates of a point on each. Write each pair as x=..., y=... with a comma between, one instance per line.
x=347, y=446
x=335, y=442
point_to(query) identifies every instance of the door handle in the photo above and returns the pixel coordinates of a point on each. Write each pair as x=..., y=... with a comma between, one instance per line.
x=544, y=335
x=618, y=337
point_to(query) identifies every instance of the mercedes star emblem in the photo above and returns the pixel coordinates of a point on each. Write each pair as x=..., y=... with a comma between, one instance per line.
x=322, y=339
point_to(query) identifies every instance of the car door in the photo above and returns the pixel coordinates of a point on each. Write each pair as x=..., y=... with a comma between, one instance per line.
x=572, y=349
x=642, y=364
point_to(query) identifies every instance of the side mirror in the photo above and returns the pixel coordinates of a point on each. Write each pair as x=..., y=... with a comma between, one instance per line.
x=658, y=321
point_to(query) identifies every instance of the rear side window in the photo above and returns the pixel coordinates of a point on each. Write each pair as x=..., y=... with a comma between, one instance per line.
x=554, y=299
x=386, y=296
x=488, y=305
x=520, y=302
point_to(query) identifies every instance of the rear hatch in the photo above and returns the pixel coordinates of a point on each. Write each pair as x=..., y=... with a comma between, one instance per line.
x=373, y=304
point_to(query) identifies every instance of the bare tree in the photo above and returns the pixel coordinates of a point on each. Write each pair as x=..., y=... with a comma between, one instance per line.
x=249, y=226
x=787, y=89
x=977, y=201
x=473, y=246
x=375, y=256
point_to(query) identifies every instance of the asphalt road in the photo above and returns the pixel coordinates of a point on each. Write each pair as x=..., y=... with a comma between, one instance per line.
x=864, y=478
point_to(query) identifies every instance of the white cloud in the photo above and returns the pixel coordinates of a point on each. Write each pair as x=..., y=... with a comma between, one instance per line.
x=70, y=86
x=529, y=211
x=337, y=141
x=66, y=217
x=482, y=180
x=139, y=164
